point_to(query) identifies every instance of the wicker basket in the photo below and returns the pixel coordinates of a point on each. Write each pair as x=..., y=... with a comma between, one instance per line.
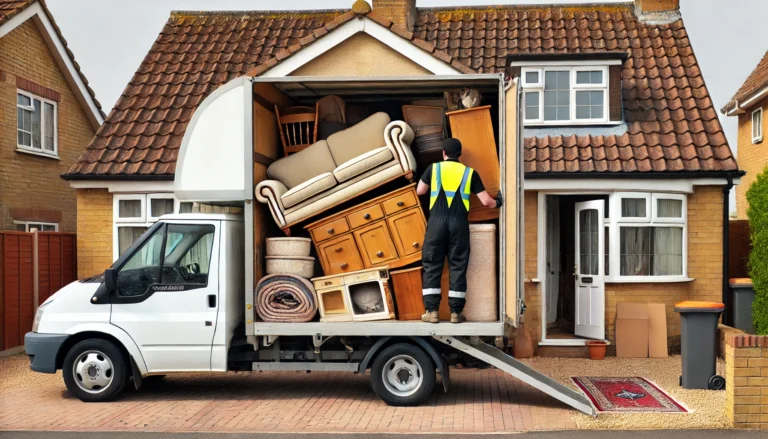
x=288, y=247
x=482, y=283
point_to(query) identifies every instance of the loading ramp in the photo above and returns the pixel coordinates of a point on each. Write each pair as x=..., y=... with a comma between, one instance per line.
x=500, y=360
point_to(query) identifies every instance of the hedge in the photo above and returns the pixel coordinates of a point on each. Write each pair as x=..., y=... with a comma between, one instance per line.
x=757, y=199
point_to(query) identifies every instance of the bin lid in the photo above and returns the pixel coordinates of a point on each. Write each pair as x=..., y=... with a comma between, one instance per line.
x=743, y=282
x=698, y=306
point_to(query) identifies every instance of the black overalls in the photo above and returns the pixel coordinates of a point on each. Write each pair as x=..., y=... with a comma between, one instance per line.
x=447, y=235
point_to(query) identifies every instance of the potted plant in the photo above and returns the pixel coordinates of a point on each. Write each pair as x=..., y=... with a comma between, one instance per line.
x=597, y=349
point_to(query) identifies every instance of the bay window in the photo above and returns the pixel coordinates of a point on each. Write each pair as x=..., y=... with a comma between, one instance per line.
x=565, y=95
x=35, y=124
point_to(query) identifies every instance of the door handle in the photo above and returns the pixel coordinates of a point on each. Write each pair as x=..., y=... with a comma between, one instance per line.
x=211, y=301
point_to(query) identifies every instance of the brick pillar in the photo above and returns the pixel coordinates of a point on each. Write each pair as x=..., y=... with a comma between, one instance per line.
x=657, y=5
x=401, y=12
x=746, y=376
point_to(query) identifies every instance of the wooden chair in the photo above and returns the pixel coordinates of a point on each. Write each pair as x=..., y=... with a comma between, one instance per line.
x=298, y=128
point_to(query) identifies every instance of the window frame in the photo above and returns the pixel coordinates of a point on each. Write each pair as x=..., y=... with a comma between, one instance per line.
x=653, y=220
x=574, y=87
x=142, y=198
x=167, y=196
x=29, y=148
x=144, y=220
x=27, y=225
x=757, y=126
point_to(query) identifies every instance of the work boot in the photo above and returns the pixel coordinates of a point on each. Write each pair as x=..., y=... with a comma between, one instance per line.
x=430, y=316
x=457, y=317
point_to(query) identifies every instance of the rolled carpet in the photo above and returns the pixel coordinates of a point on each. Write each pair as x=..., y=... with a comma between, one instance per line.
x=285, y=298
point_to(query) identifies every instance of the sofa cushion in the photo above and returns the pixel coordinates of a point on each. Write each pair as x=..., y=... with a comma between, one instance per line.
x=297, y=168
x=308, y=189
x=362, y=163
x=359, y=139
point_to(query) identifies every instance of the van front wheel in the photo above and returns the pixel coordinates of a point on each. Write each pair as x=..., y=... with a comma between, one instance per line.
x=95, y=370
x=403, y=375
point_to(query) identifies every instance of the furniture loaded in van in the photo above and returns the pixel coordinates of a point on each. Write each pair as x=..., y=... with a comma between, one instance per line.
x=329, y=172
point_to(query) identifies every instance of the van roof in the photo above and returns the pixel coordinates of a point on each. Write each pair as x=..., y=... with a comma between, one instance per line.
x=203, y=216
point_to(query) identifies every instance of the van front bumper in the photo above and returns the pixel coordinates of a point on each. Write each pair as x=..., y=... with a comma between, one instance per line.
x=42, y=350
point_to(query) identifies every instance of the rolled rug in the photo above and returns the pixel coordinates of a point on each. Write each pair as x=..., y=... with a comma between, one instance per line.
x=285, y=298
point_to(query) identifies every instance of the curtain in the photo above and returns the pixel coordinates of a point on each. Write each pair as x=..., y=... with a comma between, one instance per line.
x=633, y=208
x=200, y=253
x=666, y=208
x=127, y=236
x=161, y=206
x=651, y=251
x=667, y=251
x=635, y=251
x=129, y=209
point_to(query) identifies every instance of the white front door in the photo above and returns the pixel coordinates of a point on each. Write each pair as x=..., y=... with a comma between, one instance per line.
x=590, y=270
x=167, y=296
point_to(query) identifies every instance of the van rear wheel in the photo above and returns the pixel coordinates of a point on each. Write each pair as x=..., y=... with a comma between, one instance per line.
x=403, y=375
x=95, y=370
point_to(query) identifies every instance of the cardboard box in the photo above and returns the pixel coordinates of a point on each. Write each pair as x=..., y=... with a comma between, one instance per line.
x=632, y=330
x=657, y=330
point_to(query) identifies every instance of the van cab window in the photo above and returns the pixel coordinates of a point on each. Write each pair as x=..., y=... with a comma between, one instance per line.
x=179, y=254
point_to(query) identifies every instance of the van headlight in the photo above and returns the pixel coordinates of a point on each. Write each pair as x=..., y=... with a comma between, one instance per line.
x=39, y=315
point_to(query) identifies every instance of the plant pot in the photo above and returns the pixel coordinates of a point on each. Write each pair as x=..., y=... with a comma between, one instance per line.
x=288, y=246
x=296, y=265
x=596, y=349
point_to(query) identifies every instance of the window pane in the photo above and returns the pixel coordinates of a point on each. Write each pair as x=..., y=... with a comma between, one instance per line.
x=186, y=207
x=667, y=251
x=23, y=100
x=757, y=124
x=49, y=228
x=531, y=77
x=589, y=104
x=21, y=227
x=143, y=267
x=669, y=208
x=651, y=251
x=48, y=115
x=36, y=127
x=635, y=251
x=532, y=105
x=129, y=209
x=607, y=248
x=127, y=236
x=161, y=206
x=557, y=97
x=589, y=253
x=188, y=260
x=633, y=208
x=589, y=77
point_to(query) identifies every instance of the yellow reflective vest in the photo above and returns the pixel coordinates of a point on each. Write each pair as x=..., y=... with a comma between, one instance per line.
x=452, y=177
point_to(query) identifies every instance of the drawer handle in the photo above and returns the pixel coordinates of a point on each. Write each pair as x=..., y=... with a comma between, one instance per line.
x=338, y=249
x=380, y=254
x=330, y=231
x=416, y=245
x=400, y=204
x=344, y=266
x=367, y=216
x=328, y=282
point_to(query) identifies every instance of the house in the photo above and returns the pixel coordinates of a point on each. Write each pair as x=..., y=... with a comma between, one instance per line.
x=620, y=131
x=748, y=105
x=47, y=114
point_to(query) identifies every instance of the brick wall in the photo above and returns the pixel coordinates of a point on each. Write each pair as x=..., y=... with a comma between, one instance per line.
x=401, y=12
x=94, y=231
x=657, y=5
x=746, y=377
x=30, y=183
x=705, y=260
x=751, y=158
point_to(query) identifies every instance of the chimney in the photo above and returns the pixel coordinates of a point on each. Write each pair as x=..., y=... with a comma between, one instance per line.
x=657, y=11
x=401, y=12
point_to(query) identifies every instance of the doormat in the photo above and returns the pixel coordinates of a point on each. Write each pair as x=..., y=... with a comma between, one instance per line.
x=627, y=395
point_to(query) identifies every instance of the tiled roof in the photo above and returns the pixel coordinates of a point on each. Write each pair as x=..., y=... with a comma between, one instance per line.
x=756, y=81
x=9, y=8
x=672, y=124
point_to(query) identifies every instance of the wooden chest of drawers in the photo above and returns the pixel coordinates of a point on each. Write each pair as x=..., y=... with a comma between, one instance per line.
x=385, y=231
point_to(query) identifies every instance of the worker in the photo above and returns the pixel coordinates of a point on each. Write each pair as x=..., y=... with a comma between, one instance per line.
x=449, y=183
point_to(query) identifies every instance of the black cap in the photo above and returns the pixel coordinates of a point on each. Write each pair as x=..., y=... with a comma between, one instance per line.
x=452, y=147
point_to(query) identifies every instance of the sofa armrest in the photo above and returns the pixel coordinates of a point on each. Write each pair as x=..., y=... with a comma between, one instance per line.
x=399, y=136
x=270, y=192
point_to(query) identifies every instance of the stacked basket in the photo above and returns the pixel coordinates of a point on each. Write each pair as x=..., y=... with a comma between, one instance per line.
x=290, y=256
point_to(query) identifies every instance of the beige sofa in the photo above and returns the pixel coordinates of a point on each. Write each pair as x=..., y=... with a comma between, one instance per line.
x=332, y=171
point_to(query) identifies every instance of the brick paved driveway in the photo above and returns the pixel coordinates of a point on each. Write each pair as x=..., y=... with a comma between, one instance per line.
x=479, y=401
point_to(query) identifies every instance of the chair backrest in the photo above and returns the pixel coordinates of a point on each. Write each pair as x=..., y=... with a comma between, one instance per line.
x=298, y=128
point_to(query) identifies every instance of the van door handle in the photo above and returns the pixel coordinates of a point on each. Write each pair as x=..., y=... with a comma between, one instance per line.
x=211, y=301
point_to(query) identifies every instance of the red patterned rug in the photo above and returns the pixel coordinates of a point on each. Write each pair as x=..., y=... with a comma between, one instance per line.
x=627, y=394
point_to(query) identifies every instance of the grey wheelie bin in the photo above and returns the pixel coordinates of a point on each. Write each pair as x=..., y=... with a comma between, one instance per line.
x=743, y=296
x=698, y=334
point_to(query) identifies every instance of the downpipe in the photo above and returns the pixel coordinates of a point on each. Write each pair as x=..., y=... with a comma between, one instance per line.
x=728, y=315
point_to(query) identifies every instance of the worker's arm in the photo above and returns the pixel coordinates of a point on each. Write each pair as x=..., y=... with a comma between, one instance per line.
x=487, y=200
x=423, y=188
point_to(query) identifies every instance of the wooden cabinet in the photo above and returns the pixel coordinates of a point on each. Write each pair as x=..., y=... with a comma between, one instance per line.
x=385, y=231
x=473, y=127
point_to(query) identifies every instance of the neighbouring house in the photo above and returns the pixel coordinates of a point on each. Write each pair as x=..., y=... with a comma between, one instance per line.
x=47, y=114
x=749, y=104
x=619, y=129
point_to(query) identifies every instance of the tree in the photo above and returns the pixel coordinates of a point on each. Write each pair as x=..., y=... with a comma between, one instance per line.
x=757, y=197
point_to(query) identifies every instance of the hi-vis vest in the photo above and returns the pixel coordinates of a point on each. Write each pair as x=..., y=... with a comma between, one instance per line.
x=452, y=177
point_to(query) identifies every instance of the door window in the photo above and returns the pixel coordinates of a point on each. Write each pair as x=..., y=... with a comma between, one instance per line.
x=143, y=268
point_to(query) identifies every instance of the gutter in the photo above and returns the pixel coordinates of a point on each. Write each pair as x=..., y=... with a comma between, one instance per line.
x=728, y=314
x=635, y=175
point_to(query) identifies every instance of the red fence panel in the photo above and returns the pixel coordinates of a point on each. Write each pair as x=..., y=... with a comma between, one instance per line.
x=738, y=249
x=56, y=266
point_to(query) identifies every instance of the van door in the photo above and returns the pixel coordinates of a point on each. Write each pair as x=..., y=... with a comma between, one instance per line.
x=512, y=211
x=167, y=296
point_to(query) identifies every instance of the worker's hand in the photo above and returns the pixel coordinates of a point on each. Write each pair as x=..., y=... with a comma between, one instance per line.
x=499, y=200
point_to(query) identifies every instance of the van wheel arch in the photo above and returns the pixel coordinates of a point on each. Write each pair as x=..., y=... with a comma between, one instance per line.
x=80, y=336
x=419, y=342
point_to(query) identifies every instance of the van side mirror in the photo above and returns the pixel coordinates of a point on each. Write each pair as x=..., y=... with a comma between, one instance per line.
x=110, y=279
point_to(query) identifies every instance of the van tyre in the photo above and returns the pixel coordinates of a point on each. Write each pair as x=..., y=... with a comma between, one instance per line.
x=95, y=370
x=403, y=375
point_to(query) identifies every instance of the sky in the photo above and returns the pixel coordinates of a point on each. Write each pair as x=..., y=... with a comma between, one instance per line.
x=111, y=37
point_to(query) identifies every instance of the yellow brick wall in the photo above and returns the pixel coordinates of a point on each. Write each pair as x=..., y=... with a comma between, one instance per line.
x=94, y=231
x=746, y=377
x=751, y=158
x=29, y=181
x=704, y=266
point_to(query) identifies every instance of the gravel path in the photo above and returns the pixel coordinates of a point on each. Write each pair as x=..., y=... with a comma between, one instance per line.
x=15, y=373
x=707, y=406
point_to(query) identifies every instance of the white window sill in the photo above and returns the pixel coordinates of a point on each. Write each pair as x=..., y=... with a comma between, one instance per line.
x=757, y=141
x=36, y=152
x=563, y=123
x=649, y=280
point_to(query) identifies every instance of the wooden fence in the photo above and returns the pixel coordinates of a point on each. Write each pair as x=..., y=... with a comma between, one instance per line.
x=33, y=266
x=739, y=246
